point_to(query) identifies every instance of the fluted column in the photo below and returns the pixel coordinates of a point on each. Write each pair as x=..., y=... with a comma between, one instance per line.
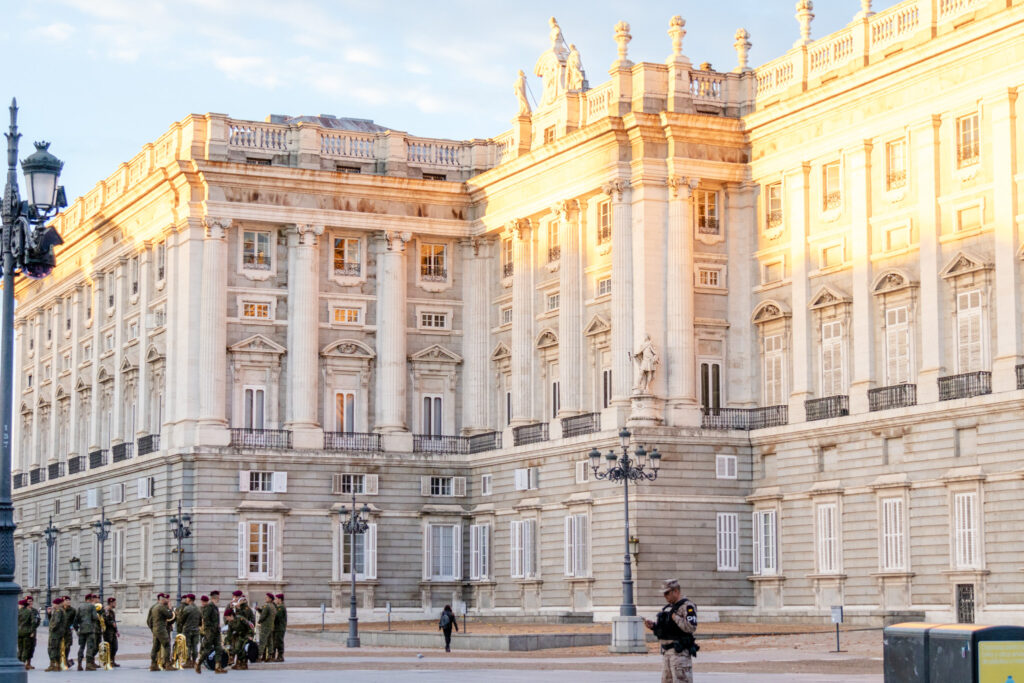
x=925, y=140
x=391, y=335
x=303, y=335
x=680, y=359
x=861, y=339
x=1004, y=203
x=476, y=295
x=99, y=306
x=213, y=330
x=142, y=376
x=19, y=458
x=797, y=185
x=622, y=292
x=120, y=306
x=522, y=323
x=74, y=417
x=570, y=308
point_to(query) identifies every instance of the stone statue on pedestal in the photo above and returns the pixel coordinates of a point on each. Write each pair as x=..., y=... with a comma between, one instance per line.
x=646, y=358
x=574, y=74
x=520, y=91
x=551, y=65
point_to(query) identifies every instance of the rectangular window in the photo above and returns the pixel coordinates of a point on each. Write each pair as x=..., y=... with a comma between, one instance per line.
x=159, y=316
x=344, y=411
x=524, y=548
x=256, y=250
x=831, y=194
x=257, y=545
x=108, y=342
x=773, y=205
x=87, y=297
x=76, y=551
x=828, y=538
x=65, y=362
x=832, y=256
x=442, y=486
x=772, y=272
x=252, y=407
x=434, y=262
x=895, y=164
x=577, y=545
x=479, y=551
x=549, y=134
x=32, y=566
x=133, y=275
x=968, y=141
x=832, y=359
x=115, y=494
x=262, y=482
x=433, y=416
x=764, y=534
x=725, y=466
x=485, y=484
x=87, y=351
x=728, y=541
x=604, y=286
x=582, y=471
x=707, y=212
x=506, y=257
x=256, y=310
x=145, y=552
x=709, y=277
x=347, y=260
x=556, y=399
x=161, y=261
x=508, y=407
x=364, y=560
x=970, y=357
x=506, y=315
x=711, y=387
x=434, y=320
x=965, y=530
x=774, y=371
x=968, y=218
x=117, y=555
x=108, y=288
x=345, y=316
x=554, y=245
x=897, y=346
x=526, y=478
x=604, y=222
x=553, y=301
x=893, y=558
x=606, y=388
x=145, y=487
x=443, y=560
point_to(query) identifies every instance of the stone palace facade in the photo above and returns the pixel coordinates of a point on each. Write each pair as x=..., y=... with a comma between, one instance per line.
x=259, y=318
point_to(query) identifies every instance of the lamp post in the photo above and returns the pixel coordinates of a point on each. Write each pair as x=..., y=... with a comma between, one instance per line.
x=50, y=533
x=102, y=531
x=627, y=631
x=181, y=529
x=355, y=524
x=26, y=245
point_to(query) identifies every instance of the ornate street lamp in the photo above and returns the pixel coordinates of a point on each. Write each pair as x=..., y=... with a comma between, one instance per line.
x=355, y=524
x=26, y=246
x=50, y=534
x=181, y=528
x=625, y=467
x=102, y=531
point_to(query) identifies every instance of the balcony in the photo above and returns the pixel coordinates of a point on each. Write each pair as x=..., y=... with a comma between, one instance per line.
x=604, y=233
x=97, y=459
x=896, y=179
x=833, y=200
x=36, y=475
x=966, y=385
x=439, y=443
x=824, y=408
x=707, y=225
x=343, y=268
x=1020, y=376
x=506, y=270
x=433, y=273
x=773, y=219
x=150, y=443
x=895, y=396
x=488, y=441
x=123, y=451
x=351, y=441
x=242, y=437
x=745, y=418
x=76, y=464
x=534, y=433
x=554, y=254
x=20, y=480
x=577, y=425
x=55, y=470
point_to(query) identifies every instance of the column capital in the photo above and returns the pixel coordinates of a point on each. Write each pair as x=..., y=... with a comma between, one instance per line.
x=615, y=188
x=682, y=186
x=396, y=241
x=216, y=228
x=517, y=228
x=566, y=209
x=305, y=233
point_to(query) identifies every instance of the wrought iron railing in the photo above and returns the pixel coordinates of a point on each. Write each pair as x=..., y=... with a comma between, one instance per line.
x=439, y=443
x=260, y=438
x=123, y=451
x=833, y=200
x=76, y=464
x=97, y=459
x=347, y=268
x=554, y=253
x=745, y=418
x=895, y=396
x=588, y=423
x=20, y=480
x=604, y=233
x=824, y=408
x=967, y=155
x=896, y=179
x=351, y=441
x=506, y=270
x=1020, y=376
x=488, y=441
x=965, y=385
x=150, y=443
x=534, y=433
x=707, y=225
x=55, y=470
x=36, y=475
x=774, y=218
x=769, y=416
x=433, y=273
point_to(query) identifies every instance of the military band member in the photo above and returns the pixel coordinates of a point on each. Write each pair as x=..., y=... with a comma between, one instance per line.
x=280, y=626
x=88, y=623
x=110, y=632
x=58, y=624
x=674, y=628
x=28, y=623
x=70, y=625
x=159, y=622
x=240, y=633
x=268, y=613
x=210, y=631
x=189, y=622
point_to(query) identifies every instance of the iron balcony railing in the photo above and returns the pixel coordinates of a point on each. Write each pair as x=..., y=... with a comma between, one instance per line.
x=707, y=225
x=534, y=433
x=439, y=443
x=150, y=443
x=97, y=459
x=604, y=233
x=433, y=273
x=554, y=253
x=20, y=480
x=351, y=441
x=488, y=441
x=774, y=218
x=76, y=464
x=36, y=475
x=55, y=470
x=123, y=451
x=576, y=425
x=896, y=179
x=745, y=418
x=824, y=408
x=895, y=396
x=506, y=270
x=242, y=437
x=1020, y=376
x=965, y=385
x=833, y=200
x=348, y=267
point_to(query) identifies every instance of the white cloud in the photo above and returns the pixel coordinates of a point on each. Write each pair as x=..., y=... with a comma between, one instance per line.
x=57, y=33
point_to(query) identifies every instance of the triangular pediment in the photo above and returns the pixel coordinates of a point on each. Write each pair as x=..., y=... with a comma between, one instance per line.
x=127, y=365
x=500, y=352
x=963, y=263
x=257, y=344
x=348, y=348
x=546, y=339
x=769, y=310
x=597, y=325
x=61, y=392
x=435, y=354
x=892, y=280
x=82, y=385
x=25, y=408
x=103, y=375
x=154, y=354
x=828, y=296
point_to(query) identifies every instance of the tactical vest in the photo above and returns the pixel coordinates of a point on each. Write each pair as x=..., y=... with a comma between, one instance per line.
x=666, y=628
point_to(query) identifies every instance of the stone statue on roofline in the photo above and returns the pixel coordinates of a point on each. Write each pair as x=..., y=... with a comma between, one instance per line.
x=575, y=77
x=520, y=91
x=551, y=65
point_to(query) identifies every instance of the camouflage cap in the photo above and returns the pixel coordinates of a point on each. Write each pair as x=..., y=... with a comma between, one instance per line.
x=671, y=584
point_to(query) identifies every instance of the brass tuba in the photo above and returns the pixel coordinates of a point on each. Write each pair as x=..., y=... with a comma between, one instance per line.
x=104, y=655
x=63, y=655
x=179, y=652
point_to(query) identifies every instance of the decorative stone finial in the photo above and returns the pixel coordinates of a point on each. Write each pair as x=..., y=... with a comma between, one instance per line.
x=622, y=37
x=742, y=46
x=677, y=31
x=804, y=14
x=865, y=8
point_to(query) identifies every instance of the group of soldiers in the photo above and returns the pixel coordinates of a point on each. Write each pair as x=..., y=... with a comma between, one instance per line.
x=202, y=623
x=94, y=622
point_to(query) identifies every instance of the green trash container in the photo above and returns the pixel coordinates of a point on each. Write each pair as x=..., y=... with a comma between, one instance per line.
x=905, y=652
x=972, y=653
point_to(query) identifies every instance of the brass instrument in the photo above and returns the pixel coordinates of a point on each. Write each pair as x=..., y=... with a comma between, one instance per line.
x=179, y=652
x=104, y=655
x=63, y=655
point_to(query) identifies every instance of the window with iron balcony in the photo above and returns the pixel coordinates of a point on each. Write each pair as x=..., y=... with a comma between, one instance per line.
x=968, y=143
x=604, y=222
x=832, y=197
x=773, y=205
x=434, y=262
x=707, y=212
x=895, y=164
x=346, y=256
x=256, y=250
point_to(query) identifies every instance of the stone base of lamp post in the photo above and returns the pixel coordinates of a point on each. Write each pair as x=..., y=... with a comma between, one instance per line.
x=628, y=635
x=646, y=411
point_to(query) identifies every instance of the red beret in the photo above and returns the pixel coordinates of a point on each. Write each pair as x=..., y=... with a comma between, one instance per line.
x=280, y=596
x=110, y=600
x=58, y=601
x=29, y=597
x=21, y=602
x=236, y=593
x=205, y=598
x=229, y=612
x=213, y=593
x=191, y=596
x=270, y=595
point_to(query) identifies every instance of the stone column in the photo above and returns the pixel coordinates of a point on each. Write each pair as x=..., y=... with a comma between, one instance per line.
x=391, y=335
x=476, y=296
x=185, y=298
x=798, y=207
x=99, y=307
x=622, y=292
x=680, y=360
x=142, y=379
x=170, y=352
x=57, y=332
x=522, y=324
x=861, y=337
x=74, y=428
x=925, y=141
x=117, y=402
x=1004, y=203
x=570, y=307
x=19, y=459
x=303, y=336
x=213, y=423
x=744, y=357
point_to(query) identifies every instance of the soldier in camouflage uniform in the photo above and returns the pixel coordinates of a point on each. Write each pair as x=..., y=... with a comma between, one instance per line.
x=240, y=633
x=58, y=624
x=280, y=626
x=159, y=621
x=70, y=625
x=675, y=627
x=210, y=631
x=189, y=621
x=110, y=632
x=268, y=613
x=88, y=623
x=28, y=622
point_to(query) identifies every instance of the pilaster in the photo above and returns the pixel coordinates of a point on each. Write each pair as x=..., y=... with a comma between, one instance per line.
x=680, y=359
x=797, y=189
x=188, y=293
x=142, y=403
x=744, y=358
x=213, y=424
x=303, y=335
x=622, y=292
x=391, y=335
x=476, y=295
x=98, y=311
x=861, y=337
x=522, y=323
x=74, y=415
x=116, y=435
x=925, y=143
x=570, y=307
x=1007, y=260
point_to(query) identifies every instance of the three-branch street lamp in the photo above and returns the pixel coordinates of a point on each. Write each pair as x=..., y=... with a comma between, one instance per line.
x=181, y=528
x=26, y=246
x=50, y=533
x=626, y=468
x=354, y=525
x=102, y=531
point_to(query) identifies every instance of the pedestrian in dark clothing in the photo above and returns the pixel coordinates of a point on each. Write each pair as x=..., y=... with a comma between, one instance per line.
x=446, y=623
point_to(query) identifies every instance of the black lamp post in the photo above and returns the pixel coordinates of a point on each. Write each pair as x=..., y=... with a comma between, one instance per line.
x=181, y=528
x=26, y=246
x=355, y=524
x=50, y=533
x=626, y=468
x=102, y=531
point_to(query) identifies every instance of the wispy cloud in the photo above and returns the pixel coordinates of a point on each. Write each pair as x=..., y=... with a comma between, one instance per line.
x=57, y=33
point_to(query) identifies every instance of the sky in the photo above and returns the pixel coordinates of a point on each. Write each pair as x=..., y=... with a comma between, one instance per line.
x=101, y=78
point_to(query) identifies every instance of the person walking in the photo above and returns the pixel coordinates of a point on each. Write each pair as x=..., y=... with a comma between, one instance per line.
x=159, y=621
x=110, y=633
x=674, y=628
x=280, y=626
x=268, y=613
x=210, y=631
x=446, y=623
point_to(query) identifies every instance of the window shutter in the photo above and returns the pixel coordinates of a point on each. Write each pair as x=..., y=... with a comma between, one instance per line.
x=424, y=486
x=243, y=480
x=271, y=550
x=569, y=548
x=485, y=550
x=336, y=483
x=142, y=488
x=521, y=479
x=534, y=478
x=756, y=536
x=582, y=472
x=581, y=531
x=370, y=551
x=458, y=486
x=427, y=539
x=92, y=498
x=457, y=551
x=516, y=535
x=280, y=482
x=474, y=551
x=370, y=484
x=242, y=565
